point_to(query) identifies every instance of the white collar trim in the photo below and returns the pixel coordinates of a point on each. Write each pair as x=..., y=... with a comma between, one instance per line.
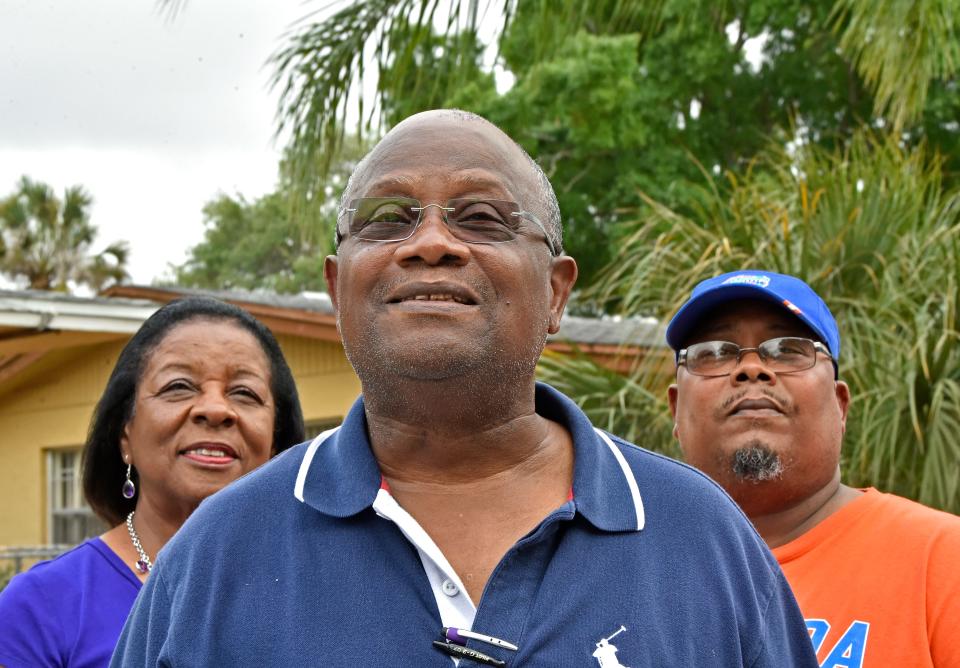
x=631, y=480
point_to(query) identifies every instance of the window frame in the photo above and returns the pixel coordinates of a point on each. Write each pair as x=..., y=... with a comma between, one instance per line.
x=63, y=481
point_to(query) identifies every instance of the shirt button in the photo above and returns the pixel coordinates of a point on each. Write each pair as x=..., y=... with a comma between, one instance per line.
x=449, y=588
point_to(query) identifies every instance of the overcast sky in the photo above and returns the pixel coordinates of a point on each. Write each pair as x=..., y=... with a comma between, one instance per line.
x=154, y=117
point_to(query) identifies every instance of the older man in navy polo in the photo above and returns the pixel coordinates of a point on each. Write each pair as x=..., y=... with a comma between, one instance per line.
x=462, y=512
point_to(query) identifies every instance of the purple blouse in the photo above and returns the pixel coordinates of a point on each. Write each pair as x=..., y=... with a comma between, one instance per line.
x=67, y=612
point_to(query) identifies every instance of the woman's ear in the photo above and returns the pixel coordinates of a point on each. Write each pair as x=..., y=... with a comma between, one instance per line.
x=125, y=444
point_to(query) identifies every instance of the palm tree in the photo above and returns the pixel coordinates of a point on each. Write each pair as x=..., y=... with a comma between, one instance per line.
x=46, y=240
x=873, y=231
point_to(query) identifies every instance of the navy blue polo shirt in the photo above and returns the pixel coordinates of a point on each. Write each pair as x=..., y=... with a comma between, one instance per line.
x=649, y=564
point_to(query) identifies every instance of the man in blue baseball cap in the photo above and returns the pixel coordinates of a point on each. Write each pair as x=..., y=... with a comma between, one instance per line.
x=759, y=407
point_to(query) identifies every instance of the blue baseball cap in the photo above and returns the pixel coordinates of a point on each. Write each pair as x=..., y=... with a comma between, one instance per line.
x=788, y=291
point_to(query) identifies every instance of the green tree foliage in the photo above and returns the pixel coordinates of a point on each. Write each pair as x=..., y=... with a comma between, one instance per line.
x=619, y=98
x=614, y=116
x=253, y=245
x=900, y=48
x=276, y=242
x=871, y=228
x=46, y=241
x=622, y=97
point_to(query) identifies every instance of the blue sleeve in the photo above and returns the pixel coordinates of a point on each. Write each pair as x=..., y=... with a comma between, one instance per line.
x=786, y=641
x=144, y=635
x=30, y=625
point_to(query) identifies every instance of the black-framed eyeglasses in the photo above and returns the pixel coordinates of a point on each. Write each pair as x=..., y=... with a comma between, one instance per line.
x=785, y=354
x=475, y=221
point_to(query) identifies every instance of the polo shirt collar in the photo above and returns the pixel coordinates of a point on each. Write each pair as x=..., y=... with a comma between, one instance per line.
x=605, y=490
x=340, y=477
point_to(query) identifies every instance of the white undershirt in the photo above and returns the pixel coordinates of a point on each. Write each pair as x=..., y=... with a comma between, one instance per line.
x=456, y=608
x=453, y=602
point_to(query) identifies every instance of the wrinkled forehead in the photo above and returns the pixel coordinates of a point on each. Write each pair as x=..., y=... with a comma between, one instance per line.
x=468, y=156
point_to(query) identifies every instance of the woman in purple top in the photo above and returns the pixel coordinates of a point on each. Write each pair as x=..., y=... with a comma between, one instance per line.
x=199, y=396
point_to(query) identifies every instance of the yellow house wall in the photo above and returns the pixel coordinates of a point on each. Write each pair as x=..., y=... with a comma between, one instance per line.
x=49, y=409
x=325, y=380
x=50, y=406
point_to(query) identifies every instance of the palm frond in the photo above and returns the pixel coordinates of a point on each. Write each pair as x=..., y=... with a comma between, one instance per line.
x=630, y=406
x=322, y=75
x=900, y=47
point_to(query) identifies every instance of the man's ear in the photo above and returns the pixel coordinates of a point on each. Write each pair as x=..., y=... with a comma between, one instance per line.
x=563, y=275
x=843, y=401
x=672, y=394
x=330, y=268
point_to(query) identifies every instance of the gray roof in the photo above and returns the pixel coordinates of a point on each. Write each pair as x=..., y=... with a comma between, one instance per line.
x=645, y=332
x=308, y=301
x=54, y=297
x=36, y=311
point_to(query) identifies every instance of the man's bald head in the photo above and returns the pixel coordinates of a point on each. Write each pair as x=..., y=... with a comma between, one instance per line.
x=533, y=189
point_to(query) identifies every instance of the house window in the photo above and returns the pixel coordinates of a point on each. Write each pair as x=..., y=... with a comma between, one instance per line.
x=71, y=520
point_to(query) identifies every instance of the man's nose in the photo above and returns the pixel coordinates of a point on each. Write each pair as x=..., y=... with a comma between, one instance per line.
x=752, y=368
x=433, y=241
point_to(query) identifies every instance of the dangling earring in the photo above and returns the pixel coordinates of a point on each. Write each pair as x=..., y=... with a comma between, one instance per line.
x=129, y=490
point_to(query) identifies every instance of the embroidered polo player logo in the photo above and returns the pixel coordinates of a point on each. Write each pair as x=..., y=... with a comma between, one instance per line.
x=606, y=653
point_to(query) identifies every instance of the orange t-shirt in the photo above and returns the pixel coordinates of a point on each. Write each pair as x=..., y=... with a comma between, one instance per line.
x=879, y=584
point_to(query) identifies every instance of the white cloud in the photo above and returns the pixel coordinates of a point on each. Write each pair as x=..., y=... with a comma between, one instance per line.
x=153, y=116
